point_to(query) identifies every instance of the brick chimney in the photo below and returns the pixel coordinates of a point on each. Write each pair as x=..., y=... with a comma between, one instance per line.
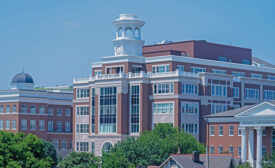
x=196, y=156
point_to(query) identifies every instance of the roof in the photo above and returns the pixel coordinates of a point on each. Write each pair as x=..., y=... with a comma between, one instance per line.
x=232, y=113
x=262, y=62
x=22, y=78
x=215, y=160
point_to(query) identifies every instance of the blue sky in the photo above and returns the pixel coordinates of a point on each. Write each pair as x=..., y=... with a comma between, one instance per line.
x=56, y=41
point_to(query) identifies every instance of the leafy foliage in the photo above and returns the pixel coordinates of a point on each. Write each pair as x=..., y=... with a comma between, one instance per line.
x=244, y=165
x=116, y=160
x=153, y=147
x=20, y=151
x=268, y=161
x=79, y=160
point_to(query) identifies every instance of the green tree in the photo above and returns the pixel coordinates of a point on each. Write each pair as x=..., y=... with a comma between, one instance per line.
x=79, y=160
x=49, y=150
x=268, y=161
x=153, y=147
x=20, y=151
x=244, y=165
x=116, y=160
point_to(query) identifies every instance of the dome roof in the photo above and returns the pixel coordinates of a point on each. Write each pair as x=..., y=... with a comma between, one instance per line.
x=22, y=78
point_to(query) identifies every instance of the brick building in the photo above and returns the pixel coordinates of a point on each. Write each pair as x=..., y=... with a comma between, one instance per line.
x=174, y=82
x=43, y=113
x=247, y=132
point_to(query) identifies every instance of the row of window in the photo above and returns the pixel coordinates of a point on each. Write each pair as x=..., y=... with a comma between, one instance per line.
x=220, y=129
x=190, y=128
x=219, y=90
x=7, y=125
x=84, y=147
x=65, y=144
x=163, y=88
x=41, y=125
x=165, y=108
x=82, y=128
x=33, y=110
x=231, y=150
x=165, y=68
x=82, y=93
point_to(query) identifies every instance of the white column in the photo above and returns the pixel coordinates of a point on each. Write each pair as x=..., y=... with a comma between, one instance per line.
x=259, y=146
x=244, y=140
x=251, y=145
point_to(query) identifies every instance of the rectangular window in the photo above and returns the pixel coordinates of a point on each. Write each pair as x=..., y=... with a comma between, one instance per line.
x=59, y=126
x=269, y=94
x=41, y=125
x=212, y=130
x=82, y=146
x=33, y=125
x=256, y=76
x=239, y=150
x=108, y=111
x=251, y=93
x=82, y=110
x=217, y=108
x=114, y=70
x=236, y=92
x=219, y=90
x=23, y=109
x=212, y=150
x=180, y=68
x=197, y=69
x=219, y=71
x=189, y=108
x=59, y=112
x=82, y=128
x=231, y=130
x=160, y=68
x=270, y=77
x=220, y=149
x=64, y=144
x=238, y=74
x=41, y=110
x=93, y=111
x=13, y=124
x=264, y=151
x=134, y=101
x=245, y=61
x=50, y=111
x=220, y=130
x=50, y=126
x=68, y=112
x=188, y=88
x=68, y=126
x=163, y=88
x=23, y=124
x=1, y=109
x=239, y=131
x=93, y=147
x=190, y=128
x=82, y=93
x=56, y=143
x=1, y=124
x=98, y=73
x=163, y=108
x=231, y=149
x=224, y=59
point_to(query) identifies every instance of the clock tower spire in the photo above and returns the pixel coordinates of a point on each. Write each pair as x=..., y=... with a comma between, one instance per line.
x=128, y=40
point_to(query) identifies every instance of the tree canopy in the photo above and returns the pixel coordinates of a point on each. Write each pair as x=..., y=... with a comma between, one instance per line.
x=79, y=160
x=20, y=151
x=268, y=161
x=153, y=147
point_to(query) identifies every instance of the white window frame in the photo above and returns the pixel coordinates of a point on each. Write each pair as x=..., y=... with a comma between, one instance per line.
x=219, y=90
x=163, y=87
x=24, y=124
x=171, y=108
x=201, y=69
x=219, y=71
x=41, y=125
x=212, y=130
x=220, y=130
x=236, y=90
x=248, y=94
x=166, y=68
x=256, y=76
x=230, y=129
x=33, y=125
x=192, y=88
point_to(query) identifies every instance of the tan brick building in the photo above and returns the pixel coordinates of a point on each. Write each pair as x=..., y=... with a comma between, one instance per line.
x=172, y=82
x=44, y=113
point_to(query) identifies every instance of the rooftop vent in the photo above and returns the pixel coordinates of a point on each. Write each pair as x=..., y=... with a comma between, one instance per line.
x=165, y=42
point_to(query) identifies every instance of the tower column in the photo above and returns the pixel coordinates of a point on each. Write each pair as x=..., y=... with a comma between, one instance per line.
x=259, y=146
x=251, y=145
x=244, y=140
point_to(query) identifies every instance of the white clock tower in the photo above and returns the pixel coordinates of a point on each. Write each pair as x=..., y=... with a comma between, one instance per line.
x=128, y=40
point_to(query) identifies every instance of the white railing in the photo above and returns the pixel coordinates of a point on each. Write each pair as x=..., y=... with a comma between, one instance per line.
x=137, y=75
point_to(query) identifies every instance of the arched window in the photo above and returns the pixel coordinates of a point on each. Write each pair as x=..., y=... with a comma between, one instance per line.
x=33, y=109
x=1, y=109
x=128, y=32
x=7, y=108
x=14, y=108
x=136, y=33
x=120, y=32
x=106, y=147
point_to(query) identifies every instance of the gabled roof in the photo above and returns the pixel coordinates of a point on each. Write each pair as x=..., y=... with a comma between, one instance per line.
x=215, y=160
x=232, y=113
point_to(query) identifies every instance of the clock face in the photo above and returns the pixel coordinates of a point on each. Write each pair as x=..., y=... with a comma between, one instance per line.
x=119, y=50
